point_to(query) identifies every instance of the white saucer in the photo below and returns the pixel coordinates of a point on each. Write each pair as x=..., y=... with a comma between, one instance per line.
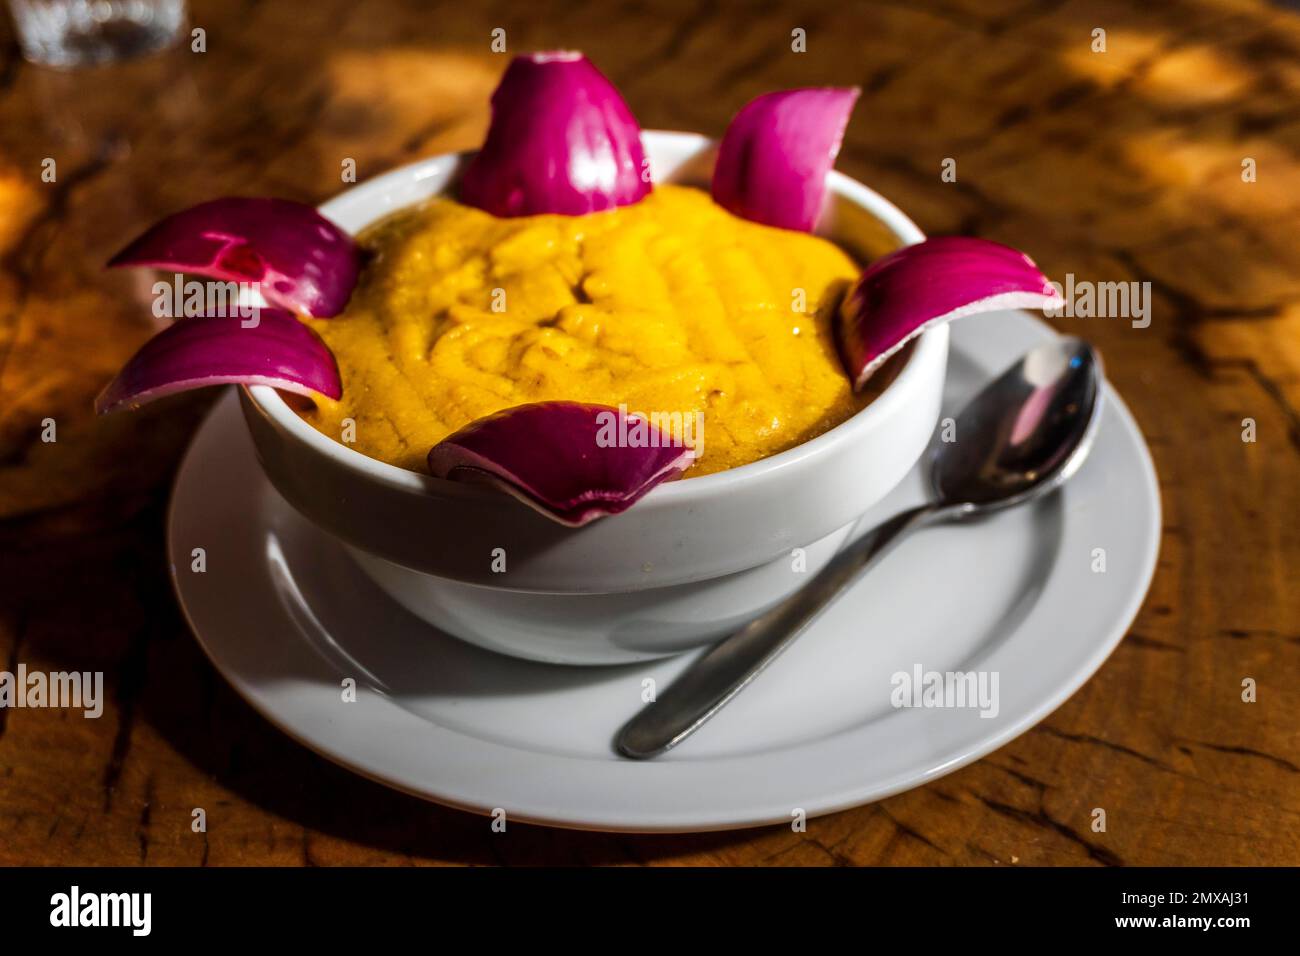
x=286, y=617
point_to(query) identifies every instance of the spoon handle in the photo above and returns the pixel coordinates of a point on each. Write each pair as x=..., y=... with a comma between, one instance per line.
x=725, y=670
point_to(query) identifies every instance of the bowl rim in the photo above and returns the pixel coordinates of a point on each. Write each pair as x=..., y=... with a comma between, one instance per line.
x=668, y=493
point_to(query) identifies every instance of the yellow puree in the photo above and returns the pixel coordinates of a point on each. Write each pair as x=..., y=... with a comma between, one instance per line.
x=670, y=305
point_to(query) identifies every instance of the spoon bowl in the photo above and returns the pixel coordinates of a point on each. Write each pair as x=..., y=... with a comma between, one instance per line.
x=1026, y=433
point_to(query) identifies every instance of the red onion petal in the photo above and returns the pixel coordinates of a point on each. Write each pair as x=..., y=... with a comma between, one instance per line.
x=556, y=457
x=561, y=141
x=775, y=155
x=279, y=351
x=902, y=294
x=302, y=261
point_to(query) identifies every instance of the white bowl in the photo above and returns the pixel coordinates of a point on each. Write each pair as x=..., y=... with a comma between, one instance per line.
x=688, y=563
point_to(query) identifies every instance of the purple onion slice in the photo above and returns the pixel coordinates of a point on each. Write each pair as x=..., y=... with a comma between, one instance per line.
x=301, y=261
x=572, y=462
x=192, y=353
x=775, y=155
x=902, y=294
x=561, y=141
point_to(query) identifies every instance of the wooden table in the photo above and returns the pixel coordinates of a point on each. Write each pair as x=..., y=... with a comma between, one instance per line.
x=1118, y=165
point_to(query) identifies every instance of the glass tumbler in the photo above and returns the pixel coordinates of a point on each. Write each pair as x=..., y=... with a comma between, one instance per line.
x=70, y=33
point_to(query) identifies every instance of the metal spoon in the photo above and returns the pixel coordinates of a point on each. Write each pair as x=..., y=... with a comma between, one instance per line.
x=1019, y=439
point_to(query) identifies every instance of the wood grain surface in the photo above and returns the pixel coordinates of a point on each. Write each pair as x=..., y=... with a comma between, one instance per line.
x=1118, y=165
